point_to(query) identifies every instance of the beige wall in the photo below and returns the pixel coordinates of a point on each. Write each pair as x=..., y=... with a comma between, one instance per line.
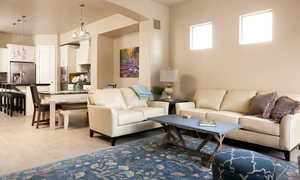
x=46, y=39
x=272, y=65
x=105, y=64
x=126, y=41
x=8, y=38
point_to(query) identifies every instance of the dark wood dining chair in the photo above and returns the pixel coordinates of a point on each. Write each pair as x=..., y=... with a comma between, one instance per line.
x=39, y=108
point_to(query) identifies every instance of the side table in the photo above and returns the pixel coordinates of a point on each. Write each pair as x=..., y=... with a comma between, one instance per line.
x=172, y=104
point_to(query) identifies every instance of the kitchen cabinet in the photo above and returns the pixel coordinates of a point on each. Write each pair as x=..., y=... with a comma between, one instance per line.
x=46, y=65
x=68, y=58
x=21, y=53
x=83, y=56
x=4, y=63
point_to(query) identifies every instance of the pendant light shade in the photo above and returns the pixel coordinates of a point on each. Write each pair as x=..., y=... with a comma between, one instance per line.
x=82, y=34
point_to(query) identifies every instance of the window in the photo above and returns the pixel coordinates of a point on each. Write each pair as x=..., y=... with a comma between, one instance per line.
x=201, y=36
x=256, y=27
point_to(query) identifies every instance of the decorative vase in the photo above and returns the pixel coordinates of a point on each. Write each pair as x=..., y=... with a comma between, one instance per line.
x=77, y=87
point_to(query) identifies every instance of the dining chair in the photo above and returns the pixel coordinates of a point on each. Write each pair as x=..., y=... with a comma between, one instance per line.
x=41, y=108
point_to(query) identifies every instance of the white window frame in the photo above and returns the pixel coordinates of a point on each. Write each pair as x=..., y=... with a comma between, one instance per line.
x=241, y=26
x=192, y=38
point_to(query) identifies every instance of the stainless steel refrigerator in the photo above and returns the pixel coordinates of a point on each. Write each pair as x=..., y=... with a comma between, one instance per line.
x=22, y=72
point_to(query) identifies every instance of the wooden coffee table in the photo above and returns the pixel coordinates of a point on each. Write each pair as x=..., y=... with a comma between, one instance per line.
x=175, y=123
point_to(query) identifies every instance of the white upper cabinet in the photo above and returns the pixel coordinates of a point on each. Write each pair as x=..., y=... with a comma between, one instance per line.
x=68, y=58
x=46, y=65
x=4, y=63
x=83, y=56
x=21, y=53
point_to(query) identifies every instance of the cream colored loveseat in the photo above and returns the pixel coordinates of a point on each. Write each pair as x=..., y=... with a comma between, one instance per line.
x=233, y=105
x=118, y=112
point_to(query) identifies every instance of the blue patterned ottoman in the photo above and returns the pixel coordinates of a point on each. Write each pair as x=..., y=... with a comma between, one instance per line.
x=238, y=164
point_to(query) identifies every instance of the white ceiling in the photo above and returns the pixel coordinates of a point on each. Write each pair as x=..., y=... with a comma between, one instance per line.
x=50, y=16
x=169, y=2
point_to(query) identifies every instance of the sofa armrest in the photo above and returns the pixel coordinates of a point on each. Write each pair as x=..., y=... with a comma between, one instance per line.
x=160, y=104
x=102, y=119
x=184, y=105
x=290, y=132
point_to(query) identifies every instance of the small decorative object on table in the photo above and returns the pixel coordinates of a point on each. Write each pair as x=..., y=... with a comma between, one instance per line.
x=79, y=81
x=205, y=122
x=111, y=85
x=186, y=116
x=157, y=92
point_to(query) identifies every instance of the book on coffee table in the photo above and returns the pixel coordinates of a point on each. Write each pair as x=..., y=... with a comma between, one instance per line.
x=205, y=122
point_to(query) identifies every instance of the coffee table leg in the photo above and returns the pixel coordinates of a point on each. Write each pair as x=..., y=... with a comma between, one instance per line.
x=219, y=138
x=205, y=141
x=169, y=138
x=166, y=138
x=173, y=136
x=181, y=140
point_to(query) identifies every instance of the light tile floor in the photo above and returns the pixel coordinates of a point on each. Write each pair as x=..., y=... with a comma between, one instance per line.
x=22, y=146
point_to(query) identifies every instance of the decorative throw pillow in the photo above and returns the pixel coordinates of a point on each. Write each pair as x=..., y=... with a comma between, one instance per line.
x=283, y=106
x=263, y=104
x=297, y=109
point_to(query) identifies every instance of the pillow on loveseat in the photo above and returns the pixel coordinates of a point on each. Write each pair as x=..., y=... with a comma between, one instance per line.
x=263, y=104
x=283, y=106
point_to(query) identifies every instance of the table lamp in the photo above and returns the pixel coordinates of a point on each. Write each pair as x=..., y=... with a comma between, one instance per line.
x=169, y=77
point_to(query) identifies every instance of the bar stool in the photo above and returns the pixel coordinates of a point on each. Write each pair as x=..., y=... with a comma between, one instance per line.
x=12, y=101
x=6, y=99
x=1, y=97
x=18, y=101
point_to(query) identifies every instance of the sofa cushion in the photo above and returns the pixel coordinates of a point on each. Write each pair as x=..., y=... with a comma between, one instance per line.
x=150, y=111
x=224, y=116
x=260, y=125
x=209, y=98
x=237, y=101
x=131, y=98
x=196, y=112
x=111, y=98
x=128, y=117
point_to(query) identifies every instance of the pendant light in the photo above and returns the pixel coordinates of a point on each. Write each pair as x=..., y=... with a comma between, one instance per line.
x=82, y=34
x=23, y=51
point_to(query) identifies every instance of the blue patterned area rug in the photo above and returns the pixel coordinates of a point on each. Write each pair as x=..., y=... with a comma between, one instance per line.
x=142, y=159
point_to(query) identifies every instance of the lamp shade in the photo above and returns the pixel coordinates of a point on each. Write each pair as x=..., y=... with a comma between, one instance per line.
x=168, y=75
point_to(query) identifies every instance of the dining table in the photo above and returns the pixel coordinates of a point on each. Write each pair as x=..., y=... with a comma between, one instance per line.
x=58, y=97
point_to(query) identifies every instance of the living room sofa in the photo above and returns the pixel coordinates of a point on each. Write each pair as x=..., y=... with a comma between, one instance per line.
x=117, y=112
x=233, y=105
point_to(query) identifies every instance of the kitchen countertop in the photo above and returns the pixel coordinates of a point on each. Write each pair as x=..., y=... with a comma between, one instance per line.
x=63, y=92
